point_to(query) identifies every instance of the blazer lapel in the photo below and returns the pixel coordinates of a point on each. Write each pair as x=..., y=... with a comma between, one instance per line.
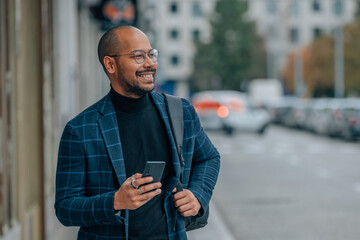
x=110, y=132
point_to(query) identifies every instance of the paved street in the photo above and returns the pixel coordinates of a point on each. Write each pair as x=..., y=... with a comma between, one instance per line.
x=288, y=185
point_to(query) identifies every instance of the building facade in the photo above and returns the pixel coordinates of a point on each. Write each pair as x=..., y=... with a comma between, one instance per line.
x=288, y=25
x=173, y=27
x=48, y=73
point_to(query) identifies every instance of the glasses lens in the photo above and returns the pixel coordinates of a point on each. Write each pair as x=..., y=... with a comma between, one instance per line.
x=139, y=56
x=153, y=55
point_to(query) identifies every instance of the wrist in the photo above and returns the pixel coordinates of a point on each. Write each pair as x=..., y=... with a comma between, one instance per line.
x=116, y=203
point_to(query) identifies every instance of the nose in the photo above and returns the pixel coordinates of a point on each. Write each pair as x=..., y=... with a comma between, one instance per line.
x=148, y=62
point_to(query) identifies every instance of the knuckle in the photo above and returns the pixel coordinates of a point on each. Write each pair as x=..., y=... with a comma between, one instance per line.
x=154, y=193
x=146, y=188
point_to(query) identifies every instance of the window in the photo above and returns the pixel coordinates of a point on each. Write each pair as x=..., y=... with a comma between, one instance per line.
x=174, y=7
x=294, y=35
x=174, y=34
x=295, y=8
x=196, y=9
x=271, y=6
x=174, y=60
x=196, y=35
x=338, y=7
x=317, y=32
x=316, y=6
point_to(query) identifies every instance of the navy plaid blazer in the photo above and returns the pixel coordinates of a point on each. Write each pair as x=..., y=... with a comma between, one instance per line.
x=91, y=169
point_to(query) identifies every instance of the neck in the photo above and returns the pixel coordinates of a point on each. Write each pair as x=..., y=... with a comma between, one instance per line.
x=128, y=104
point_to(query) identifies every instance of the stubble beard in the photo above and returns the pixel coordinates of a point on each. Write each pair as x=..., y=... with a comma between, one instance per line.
x=134, y=89
x=137, y=90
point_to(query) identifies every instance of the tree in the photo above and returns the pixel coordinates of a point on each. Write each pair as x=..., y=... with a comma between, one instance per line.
x=357, y=13
x=318, y=64
x=235, y=53
x=289, y=71
x=352, y=58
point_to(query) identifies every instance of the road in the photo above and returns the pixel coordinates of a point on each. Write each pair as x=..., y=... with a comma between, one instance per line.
x=288, y=185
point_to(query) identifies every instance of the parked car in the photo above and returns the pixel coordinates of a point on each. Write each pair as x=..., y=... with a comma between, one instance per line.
x=346, y=120
x=229, y=111
x=280, y=110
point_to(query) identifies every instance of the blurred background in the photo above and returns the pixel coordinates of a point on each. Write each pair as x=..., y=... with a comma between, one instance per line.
x=276, y=84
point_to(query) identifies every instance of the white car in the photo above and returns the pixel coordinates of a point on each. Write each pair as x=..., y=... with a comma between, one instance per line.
x=229, y=111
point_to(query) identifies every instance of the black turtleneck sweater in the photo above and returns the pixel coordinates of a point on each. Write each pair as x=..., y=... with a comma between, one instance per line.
x=144, y=138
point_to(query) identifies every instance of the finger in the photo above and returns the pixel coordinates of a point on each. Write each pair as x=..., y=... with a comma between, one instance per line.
x=150, y=187
x=189, y=213
x=174, y=190
x=139, y=199
x=142, y=181
x=137, y=175
x=134, y=181
x=149, y=195
x=128, y=182
x=186, y=207
x=179, y=195
x=181, y=202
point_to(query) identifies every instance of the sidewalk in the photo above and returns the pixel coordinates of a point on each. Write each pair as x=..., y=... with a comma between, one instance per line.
x=215, y=230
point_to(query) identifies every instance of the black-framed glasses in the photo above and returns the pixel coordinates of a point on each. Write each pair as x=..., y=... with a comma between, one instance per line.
x=139, y=55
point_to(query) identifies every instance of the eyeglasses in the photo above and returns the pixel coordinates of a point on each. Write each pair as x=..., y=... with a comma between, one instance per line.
x=139, y=55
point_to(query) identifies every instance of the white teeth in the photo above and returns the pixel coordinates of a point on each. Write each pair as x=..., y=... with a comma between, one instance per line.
x=148, y=75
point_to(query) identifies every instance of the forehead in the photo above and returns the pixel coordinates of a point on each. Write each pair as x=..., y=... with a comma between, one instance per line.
x=134, y=41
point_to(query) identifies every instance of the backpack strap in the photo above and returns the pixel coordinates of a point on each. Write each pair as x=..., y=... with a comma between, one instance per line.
x=176, y=118
x=175, y=110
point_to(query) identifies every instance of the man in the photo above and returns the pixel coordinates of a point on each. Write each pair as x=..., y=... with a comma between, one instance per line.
x=104, y=149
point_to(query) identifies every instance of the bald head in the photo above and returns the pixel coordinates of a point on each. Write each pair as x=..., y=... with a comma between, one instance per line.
x=115, y=40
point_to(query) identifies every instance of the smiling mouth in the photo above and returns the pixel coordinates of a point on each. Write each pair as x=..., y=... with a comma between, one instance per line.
x=146, y=75
x=149, y=74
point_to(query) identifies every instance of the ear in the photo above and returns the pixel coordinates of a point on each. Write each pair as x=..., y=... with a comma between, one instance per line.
x=109, y=64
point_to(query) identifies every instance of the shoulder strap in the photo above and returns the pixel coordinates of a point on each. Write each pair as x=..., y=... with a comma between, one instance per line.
x=176, y=118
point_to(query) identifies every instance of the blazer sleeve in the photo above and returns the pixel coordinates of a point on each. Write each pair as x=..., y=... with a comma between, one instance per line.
x=205, y=163
x=73, y=207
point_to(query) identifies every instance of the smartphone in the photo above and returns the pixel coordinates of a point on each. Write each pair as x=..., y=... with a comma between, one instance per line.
x=154, y=169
